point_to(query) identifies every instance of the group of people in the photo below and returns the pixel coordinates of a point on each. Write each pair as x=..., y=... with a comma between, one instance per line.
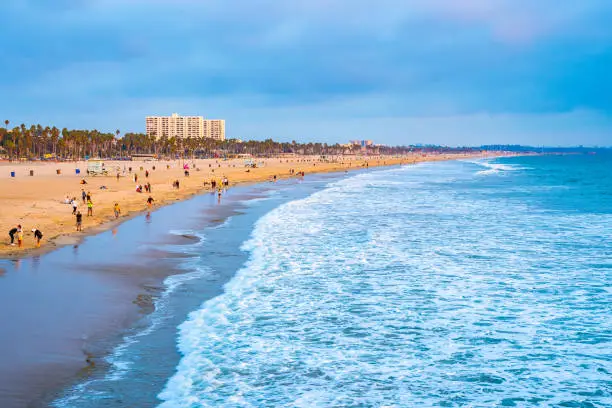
x=213, y=183
x=146, y=187
x=86, y=197
x=292, y=172
x=17, y=232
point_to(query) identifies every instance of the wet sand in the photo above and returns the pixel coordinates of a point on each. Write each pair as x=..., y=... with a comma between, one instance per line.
x=63, y=311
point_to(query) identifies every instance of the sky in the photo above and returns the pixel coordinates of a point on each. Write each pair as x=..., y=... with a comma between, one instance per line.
x=454, y=72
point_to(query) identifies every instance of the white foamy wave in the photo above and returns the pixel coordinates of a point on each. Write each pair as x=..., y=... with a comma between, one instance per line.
x=341, y=306
x=494, y=168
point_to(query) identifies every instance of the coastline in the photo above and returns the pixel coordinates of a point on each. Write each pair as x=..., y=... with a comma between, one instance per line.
x=56, y=221
x=138, y=284
x=86, y=301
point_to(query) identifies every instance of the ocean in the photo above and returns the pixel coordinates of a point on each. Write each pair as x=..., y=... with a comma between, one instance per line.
x=476, y=283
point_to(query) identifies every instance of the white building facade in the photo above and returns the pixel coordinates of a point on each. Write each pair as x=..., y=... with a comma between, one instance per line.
x=185, y=127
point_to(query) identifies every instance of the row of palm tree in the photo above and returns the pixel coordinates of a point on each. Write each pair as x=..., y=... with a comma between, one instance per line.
x=37, y=141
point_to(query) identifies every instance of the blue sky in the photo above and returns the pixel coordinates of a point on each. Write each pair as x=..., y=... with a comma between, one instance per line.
x=413, y=71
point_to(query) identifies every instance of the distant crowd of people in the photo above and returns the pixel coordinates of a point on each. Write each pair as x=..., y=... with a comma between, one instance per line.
x=16, y=233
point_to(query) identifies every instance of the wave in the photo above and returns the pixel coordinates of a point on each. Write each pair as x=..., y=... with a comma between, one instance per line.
x=340, y=306
x=495, y=168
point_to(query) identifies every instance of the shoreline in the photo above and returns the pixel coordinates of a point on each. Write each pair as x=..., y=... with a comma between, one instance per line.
x=139, y=287
x=102, y=299
x=125, y=292
x=54, y=225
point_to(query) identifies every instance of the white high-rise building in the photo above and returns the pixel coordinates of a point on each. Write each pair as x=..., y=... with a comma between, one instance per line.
x=185, y=126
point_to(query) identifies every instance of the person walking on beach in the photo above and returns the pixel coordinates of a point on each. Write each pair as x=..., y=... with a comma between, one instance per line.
x=37, y=236
x=79, y=221
x=117, y=210
x=88, y=196
x=149, y=186
x=150, y=202
x=83, y=195
x=89, y=208
x=74, y=205
x=12, y=233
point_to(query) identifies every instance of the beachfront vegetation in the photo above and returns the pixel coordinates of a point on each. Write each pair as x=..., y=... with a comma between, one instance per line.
x=39, y=142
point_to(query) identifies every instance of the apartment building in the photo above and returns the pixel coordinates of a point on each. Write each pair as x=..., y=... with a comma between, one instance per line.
x=185, y=126
x=214, y=129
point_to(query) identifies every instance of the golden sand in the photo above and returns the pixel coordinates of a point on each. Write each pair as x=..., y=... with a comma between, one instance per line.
x=38, y=200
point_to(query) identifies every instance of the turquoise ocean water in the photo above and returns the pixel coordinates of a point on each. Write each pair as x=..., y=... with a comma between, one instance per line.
x=469, y=283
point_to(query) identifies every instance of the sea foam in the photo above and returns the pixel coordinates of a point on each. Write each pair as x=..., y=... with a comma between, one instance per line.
x=401, y=288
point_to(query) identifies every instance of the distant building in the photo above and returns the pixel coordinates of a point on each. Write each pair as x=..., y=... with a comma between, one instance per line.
x=185, y=126
x=362, y=143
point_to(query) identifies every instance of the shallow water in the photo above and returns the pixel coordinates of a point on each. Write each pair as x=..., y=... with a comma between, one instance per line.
x=481, y=283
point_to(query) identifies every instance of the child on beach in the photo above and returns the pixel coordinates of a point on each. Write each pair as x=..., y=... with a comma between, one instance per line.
x=89, y=208
x=117, y=210
x=20, y=237
x=150, y=202
x=37, y=236
x=12, y=233
x=79, y=221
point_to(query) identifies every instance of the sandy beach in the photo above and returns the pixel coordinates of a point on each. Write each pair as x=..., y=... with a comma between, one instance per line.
x=38, y=201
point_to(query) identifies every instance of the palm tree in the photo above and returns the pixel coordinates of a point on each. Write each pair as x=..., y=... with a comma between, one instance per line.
x=6, y=123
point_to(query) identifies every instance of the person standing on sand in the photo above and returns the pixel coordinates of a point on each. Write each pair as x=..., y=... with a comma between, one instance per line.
x=83, y=195
x=74, y=205
x=20, y=237
x=88, y=196
x=149, y=186
x=37, y=236
x=89, y=208
x=117, y=210
x=79, y=221
x=12, y=233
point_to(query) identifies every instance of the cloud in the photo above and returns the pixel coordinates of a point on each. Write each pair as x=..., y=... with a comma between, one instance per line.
x=399, y=59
